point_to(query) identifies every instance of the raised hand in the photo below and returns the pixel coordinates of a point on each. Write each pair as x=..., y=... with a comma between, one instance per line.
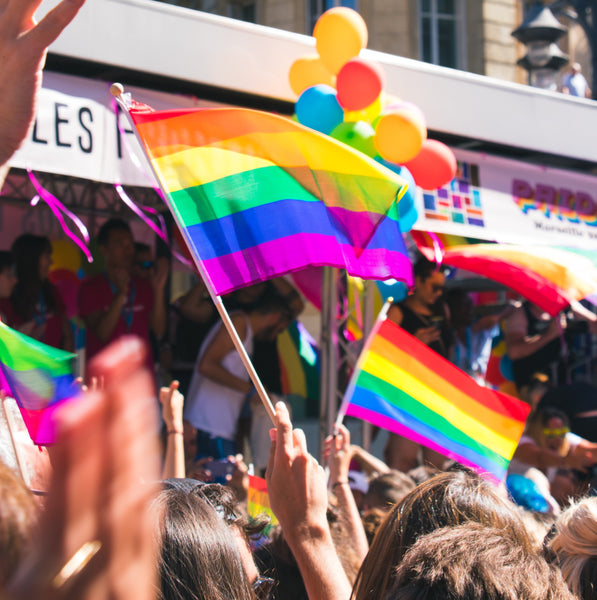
x=23, y=46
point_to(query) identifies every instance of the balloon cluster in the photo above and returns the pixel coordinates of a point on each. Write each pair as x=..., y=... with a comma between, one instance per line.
x=343, y=96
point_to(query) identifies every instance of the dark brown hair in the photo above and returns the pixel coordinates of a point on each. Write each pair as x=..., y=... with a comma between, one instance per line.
x=474, y=562
x=18, y=517
x=199, y=557
x=445, y=500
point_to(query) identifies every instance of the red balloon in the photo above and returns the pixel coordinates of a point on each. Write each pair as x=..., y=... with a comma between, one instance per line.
x=359, y=83
x=434, y=166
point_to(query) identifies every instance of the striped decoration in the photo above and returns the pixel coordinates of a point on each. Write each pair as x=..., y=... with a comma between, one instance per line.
x=258, y=195
x=401, y=385
x=258, y=502
x=299, y=360
x=551, y=278
x=39, y=377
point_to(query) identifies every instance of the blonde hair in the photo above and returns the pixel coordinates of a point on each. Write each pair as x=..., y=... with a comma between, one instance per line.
x=575, y=545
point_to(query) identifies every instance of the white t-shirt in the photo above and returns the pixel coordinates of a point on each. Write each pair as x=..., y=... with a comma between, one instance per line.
x=210, y=406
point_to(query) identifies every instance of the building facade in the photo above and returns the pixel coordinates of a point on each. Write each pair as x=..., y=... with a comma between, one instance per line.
x=471, y=35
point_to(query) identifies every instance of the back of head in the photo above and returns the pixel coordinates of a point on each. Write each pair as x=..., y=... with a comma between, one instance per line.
x=26, y=251
x=388, y=489
x=7, y=260
x=18, y=517
x=423, y=268
x=474, y=562
x=575, y=545
x=448, y=499
x=103, y=235
x=199, y=557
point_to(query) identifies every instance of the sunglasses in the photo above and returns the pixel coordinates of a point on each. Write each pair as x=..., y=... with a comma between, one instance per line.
x=263, y=587
x=556, y=433
x=145, y=264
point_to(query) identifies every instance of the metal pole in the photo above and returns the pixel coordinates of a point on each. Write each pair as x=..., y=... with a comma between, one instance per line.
x=329, y=356
x=368, y=320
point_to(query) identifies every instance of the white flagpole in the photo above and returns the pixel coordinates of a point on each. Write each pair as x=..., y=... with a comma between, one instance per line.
x=352, y=383
x=117, y=90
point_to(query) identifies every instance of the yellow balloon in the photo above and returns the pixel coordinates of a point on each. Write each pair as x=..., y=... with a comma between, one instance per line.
x=65, y=255
x=399, y=136
x=340, y=34
x=369, y=113
x=308, y=71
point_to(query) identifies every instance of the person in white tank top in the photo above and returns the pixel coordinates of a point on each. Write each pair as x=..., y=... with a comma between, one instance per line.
x=220, y=382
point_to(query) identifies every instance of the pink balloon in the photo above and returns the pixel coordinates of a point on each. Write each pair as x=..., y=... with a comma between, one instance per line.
x=434, y=166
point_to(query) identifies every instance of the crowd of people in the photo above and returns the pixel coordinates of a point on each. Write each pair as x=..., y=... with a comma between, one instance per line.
x=120, y=518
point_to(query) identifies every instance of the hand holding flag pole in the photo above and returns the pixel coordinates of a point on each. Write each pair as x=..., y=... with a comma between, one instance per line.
x=403, y=386
x=117, y=90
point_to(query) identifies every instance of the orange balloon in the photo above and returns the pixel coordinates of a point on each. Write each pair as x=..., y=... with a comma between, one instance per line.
x=307, y=71
x=340, y=34
x=399, y=135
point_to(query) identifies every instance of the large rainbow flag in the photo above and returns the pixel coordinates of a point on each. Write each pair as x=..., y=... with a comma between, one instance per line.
x=401, y=385
x=39, y=377
x=258, y=195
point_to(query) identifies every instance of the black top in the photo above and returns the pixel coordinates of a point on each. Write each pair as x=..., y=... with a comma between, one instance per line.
x=413, y=321
x=541, y=361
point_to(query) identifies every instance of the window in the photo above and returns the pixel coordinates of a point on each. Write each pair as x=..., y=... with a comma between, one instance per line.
x=442, y=33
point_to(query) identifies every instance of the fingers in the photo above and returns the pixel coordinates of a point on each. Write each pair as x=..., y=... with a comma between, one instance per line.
x=284, y=438
x=118, y=360
x=52, y=25
x=17, y=16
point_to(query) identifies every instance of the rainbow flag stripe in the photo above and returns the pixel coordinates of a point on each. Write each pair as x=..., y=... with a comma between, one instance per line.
x=258, y=501
x=403, y=386
x=552, y=278
x=299, y=360
x=259, y=195
x=39, y=378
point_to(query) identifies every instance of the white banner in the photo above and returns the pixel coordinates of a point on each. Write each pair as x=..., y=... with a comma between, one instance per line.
x=76, y=132
x=498, y=199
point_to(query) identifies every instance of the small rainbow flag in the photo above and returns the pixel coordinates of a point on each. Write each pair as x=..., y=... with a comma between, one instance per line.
x=299, y=360
x=258, y=501
x=401, y=385
x=39, y=377
x=258, y=195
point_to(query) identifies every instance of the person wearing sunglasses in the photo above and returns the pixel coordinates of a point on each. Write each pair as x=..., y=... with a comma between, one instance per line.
x=553, y=456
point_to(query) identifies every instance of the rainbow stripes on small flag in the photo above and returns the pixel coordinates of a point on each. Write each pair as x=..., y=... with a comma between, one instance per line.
x=258, y=195
x=258, y=501
x=39, y=377
x=403, y=386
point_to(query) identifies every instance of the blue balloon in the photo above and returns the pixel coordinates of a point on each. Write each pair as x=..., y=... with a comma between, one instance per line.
x=526, y=493
x=317, y=107
x=392, y=289
x=407, y=207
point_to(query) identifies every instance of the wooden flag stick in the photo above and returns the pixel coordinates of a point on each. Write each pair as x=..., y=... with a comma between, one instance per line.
x=117, y=91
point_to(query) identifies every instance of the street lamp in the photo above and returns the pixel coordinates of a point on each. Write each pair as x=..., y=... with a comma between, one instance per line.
x=539, y=32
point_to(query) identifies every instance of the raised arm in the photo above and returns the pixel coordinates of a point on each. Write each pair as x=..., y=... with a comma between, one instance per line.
x=211, y=366
x=298, y=497
x=339, y=453
x=172, y=402
x=519, y=344
x=23, y=47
